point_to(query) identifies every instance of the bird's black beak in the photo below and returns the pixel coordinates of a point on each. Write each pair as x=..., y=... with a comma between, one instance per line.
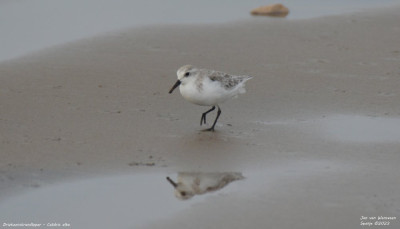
x=175, y=86
x=172, y=182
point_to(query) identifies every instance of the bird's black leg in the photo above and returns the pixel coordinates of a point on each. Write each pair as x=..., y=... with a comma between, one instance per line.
x=215, y=122
x=203, y=116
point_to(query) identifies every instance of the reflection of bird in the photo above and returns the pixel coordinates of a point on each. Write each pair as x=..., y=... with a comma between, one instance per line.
x=208, y=88
x=190, y=184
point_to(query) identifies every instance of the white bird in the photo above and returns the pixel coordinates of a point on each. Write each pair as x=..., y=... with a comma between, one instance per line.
x=208, y=88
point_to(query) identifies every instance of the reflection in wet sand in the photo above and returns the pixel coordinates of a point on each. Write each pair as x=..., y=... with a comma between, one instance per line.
x=190, y=184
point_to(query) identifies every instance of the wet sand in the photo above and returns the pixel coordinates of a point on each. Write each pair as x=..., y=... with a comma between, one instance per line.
x=316, y=135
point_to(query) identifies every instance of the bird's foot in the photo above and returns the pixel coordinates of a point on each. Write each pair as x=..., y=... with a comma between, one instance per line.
x=209, y=129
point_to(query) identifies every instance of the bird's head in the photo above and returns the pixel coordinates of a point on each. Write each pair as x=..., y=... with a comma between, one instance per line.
x=184, y=74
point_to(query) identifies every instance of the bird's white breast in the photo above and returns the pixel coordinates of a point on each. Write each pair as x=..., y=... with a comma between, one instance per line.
x=206, y=92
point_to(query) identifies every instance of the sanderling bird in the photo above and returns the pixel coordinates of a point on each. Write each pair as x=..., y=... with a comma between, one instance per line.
x=208, y=88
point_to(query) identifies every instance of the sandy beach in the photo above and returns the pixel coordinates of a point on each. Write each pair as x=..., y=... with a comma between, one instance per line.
x=316, y=136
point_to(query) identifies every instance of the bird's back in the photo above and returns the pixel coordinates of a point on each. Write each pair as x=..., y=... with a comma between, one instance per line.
x=227, y=81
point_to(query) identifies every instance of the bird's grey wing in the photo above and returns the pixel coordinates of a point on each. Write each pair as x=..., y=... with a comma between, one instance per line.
x=226, y=80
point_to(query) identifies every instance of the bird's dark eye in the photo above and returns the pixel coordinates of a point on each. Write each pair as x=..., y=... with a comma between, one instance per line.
x=187, y=74
x=183, y=193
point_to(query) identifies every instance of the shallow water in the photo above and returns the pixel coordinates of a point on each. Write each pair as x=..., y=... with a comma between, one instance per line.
x=107, y=202
x=123, y=201
x=347, y=128
x=134, y=200
x=361, y=129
